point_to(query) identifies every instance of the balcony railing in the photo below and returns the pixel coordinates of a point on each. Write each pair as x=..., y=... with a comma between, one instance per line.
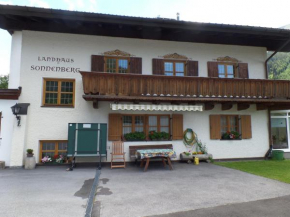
x=140, y=86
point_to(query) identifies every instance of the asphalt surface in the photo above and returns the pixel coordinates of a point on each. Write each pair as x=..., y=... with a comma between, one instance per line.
x=278, y=207
x=188, y=190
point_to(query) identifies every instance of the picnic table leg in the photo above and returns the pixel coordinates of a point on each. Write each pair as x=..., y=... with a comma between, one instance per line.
x=164, y=163
x=142, y=163
x=147, y=164
x=169, y=163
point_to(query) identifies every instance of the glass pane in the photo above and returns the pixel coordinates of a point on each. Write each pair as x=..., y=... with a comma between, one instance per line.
x=51, y=98
x=48, y=146
x=66, y=99
x=50, y=154
x=279, y=133
x=127, y=120
x=230, y=76
x=223, y=125
x=139, y=122
x=111, y=65
x=164, y=129
x=62, y=146
x=233, y=123
x=230, y=70
x=152, y=120
x=164, y=121
x=221, y=71
x=67, y=87
x=168, y=67
x=169, y=73
x=123, y=66
x=52, y=86
x=179, y=74
x=152, y=129
x=179, y=67
x=127, y=130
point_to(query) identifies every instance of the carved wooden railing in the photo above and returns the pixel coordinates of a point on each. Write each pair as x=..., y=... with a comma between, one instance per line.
x=162, y=86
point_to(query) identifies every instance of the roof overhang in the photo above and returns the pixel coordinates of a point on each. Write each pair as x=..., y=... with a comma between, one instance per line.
x=18, y=18
x=10, y=94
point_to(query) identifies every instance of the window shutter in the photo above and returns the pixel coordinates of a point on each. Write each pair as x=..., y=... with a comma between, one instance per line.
x=136, y=65
x=98, y=63
x=243, y=70
x=192, y=68
x=246, y=126
x=215, y=126
x=158, y=67
x=115, y=127
x=212, y=68
x=177, y=126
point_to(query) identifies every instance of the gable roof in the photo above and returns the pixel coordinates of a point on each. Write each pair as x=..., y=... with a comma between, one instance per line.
x=17, y=18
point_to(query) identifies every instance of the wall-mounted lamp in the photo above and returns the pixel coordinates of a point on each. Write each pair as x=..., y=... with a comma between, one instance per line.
x=16, y=110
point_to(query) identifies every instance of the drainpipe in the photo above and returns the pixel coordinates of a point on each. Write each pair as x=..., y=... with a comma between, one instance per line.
x=279, y=49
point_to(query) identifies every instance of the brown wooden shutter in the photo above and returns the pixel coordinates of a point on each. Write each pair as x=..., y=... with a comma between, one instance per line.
x=246, y=126
x=98, y=63
x=158, y=67
x=136, y=65
x=192, y=68
x=212, y=68
x=215, y=126
x=243, y=70
x=115, y=127
x=177, y=126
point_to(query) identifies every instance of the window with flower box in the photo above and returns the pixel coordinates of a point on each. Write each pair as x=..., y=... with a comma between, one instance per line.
x=52, y=148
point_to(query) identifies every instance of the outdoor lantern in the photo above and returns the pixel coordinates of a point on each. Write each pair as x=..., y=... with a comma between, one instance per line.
x=16, y=110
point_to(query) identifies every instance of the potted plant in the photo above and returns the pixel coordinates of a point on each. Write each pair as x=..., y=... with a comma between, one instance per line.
x=46, y=159
x=135, y=136
x=231, y=135
x=153, y=135
x=29, y=153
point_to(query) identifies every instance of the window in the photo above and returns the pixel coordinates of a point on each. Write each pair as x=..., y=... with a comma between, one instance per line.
x=58, y=92
x=174, y=68
x=51, y=148
x=158, y=123
x=229, y=123
x=226, y=70
x=133, y=123
x=116, y=65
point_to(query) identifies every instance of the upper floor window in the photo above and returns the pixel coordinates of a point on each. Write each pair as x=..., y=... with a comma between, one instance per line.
x=116, y=65
x=58, y=92
x=174, y=68
x=226, y=70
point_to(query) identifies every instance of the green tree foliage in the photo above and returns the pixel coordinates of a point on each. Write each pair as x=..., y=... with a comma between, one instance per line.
x=279, y=66
x=4, y=81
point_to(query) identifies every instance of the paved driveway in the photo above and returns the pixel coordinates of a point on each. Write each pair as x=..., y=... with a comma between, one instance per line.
x=131, y=192
x=45, y=192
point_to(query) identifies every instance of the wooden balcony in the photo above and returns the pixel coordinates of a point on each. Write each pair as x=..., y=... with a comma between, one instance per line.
x=176, y=90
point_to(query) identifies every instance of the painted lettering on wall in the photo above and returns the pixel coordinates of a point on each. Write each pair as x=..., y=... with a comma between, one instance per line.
x=58, y=60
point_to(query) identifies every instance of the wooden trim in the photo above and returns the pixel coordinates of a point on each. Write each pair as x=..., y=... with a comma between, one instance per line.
x=45, y=80
x=56, y=151
x=117, y=62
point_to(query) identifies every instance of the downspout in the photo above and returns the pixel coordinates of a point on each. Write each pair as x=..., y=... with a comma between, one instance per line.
x=273, y=54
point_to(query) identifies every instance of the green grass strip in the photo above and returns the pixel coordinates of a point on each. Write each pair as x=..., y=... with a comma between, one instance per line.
x=278, y=170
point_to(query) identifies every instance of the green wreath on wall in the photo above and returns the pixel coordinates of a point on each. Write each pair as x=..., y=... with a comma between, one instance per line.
x=191, y=139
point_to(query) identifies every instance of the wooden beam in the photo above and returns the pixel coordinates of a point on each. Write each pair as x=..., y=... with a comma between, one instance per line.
x=175, y=103
x=136, y=102
x=95, y=104
x=208, y=106
x=227, y=106
x=243, y=106
x=261, y=107
x=156, y=102
x=191, y=103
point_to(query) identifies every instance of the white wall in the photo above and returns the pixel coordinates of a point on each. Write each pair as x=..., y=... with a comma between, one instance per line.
x=7, y=123
x=51, y=123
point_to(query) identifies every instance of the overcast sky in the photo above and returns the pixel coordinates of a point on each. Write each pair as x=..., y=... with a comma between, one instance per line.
x=264, y=13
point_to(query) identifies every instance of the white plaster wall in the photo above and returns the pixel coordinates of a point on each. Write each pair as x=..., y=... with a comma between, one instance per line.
x=15, y=60
x=6, y=133
x=51, y=123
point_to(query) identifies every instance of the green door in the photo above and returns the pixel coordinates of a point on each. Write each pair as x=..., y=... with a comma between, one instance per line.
x=88, y=139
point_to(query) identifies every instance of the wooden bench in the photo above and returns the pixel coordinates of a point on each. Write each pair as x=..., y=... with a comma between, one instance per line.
x=133, y=149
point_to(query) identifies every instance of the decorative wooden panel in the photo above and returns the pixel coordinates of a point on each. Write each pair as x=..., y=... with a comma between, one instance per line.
x=246, y=126
x=157, y=66
x=177, y=126
x=192, y=68
x=115, y=127
x=98, y=63
x=215, y=126
x=243, y=70
x=212, y=68
x=136, y=65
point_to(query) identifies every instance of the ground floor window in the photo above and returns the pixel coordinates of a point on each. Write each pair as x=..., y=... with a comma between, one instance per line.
x=280, y=129
x=52, y=148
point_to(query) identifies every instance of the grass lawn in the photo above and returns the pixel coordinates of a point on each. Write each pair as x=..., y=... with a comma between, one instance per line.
x=278, y=170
